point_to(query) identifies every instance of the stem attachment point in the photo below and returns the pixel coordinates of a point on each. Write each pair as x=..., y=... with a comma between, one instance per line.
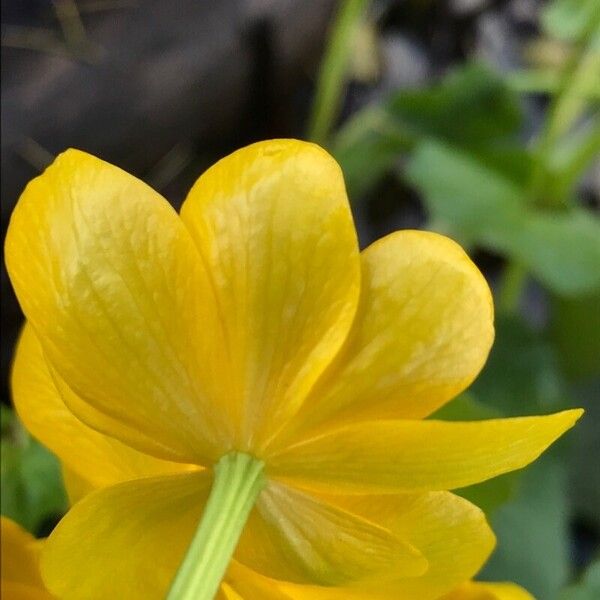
x=239, y=479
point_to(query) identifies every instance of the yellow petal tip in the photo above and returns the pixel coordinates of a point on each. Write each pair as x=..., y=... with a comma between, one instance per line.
x=571, y=416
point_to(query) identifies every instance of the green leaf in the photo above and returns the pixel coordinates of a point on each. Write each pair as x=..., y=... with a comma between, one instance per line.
x=532, y=531
x=466, y=407
x=522, y=374
x=492, y=494
x=31, y=489
x=367, y=148
x=471, y=108
x=570, y=19
x=585, y=475
x=561, y=249
x=575, y=329
x=522, y=377
x=479, y=205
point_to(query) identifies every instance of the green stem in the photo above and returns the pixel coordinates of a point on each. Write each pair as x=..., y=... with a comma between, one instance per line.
x=566, y=107
x=511, y=288
x=239, y=479
x=332, y=74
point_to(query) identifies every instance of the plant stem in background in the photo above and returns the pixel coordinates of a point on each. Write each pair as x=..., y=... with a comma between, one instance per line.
x=238, y=482
x=333, y=71
x=567, y=106
x=511, y=288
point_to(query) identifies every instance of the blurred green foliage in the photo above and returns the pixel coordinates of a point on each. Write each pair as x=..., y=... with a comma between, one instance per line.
x=460, y=145
x=455, y=112
x=31, y=489
x=482, y=207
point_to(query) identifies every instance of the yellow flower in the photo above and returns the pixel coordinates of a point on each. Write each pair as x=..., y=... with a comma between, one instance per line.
x=449, y=531
x=251, y=324
x=19, y=564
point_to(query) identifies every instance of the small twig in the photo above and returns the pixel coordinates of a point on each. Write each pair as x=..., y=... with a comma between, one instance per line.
x=34, y=153
x=31, y=38
x=71, y=24
x=170, y=165
x=334, y=68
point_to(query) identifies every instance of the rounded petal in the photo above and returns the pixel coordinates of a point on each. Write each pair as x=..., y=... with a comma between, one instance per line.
x=125, y=541
x=114, y=288
x=91, y=459
x=452, y=534
x=422, y=333
x=393, y=456
x=19, y=555
x=475, y=590
x=273, y=225
x=297, y=537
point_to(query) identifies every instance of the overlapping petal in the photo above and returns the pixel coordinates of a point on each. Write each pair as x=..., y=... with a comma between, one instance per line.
x=226, y=592
x=422, y=333
x=297, y=537
x=274, y=228
x=289, y=535
x=391, y=456
x=76, y=486
x=452, y=534
x=95, y=460
x=242, y=583
x=113, y=286
x=125, y=541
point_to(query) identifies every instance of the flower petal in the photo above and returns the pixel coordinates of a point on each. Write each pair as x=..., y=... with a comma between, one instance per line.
x=19, y=591
x=114, y=288
x=273, y=225
x=475, y=590
x=19, y=555
x=452, y=534
x=242, y=583
x=125, y=541
x=294, y=536
x=76, y=487
x=91, y=459
x=226, y=592
x=422, y=333
x=391, y=456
